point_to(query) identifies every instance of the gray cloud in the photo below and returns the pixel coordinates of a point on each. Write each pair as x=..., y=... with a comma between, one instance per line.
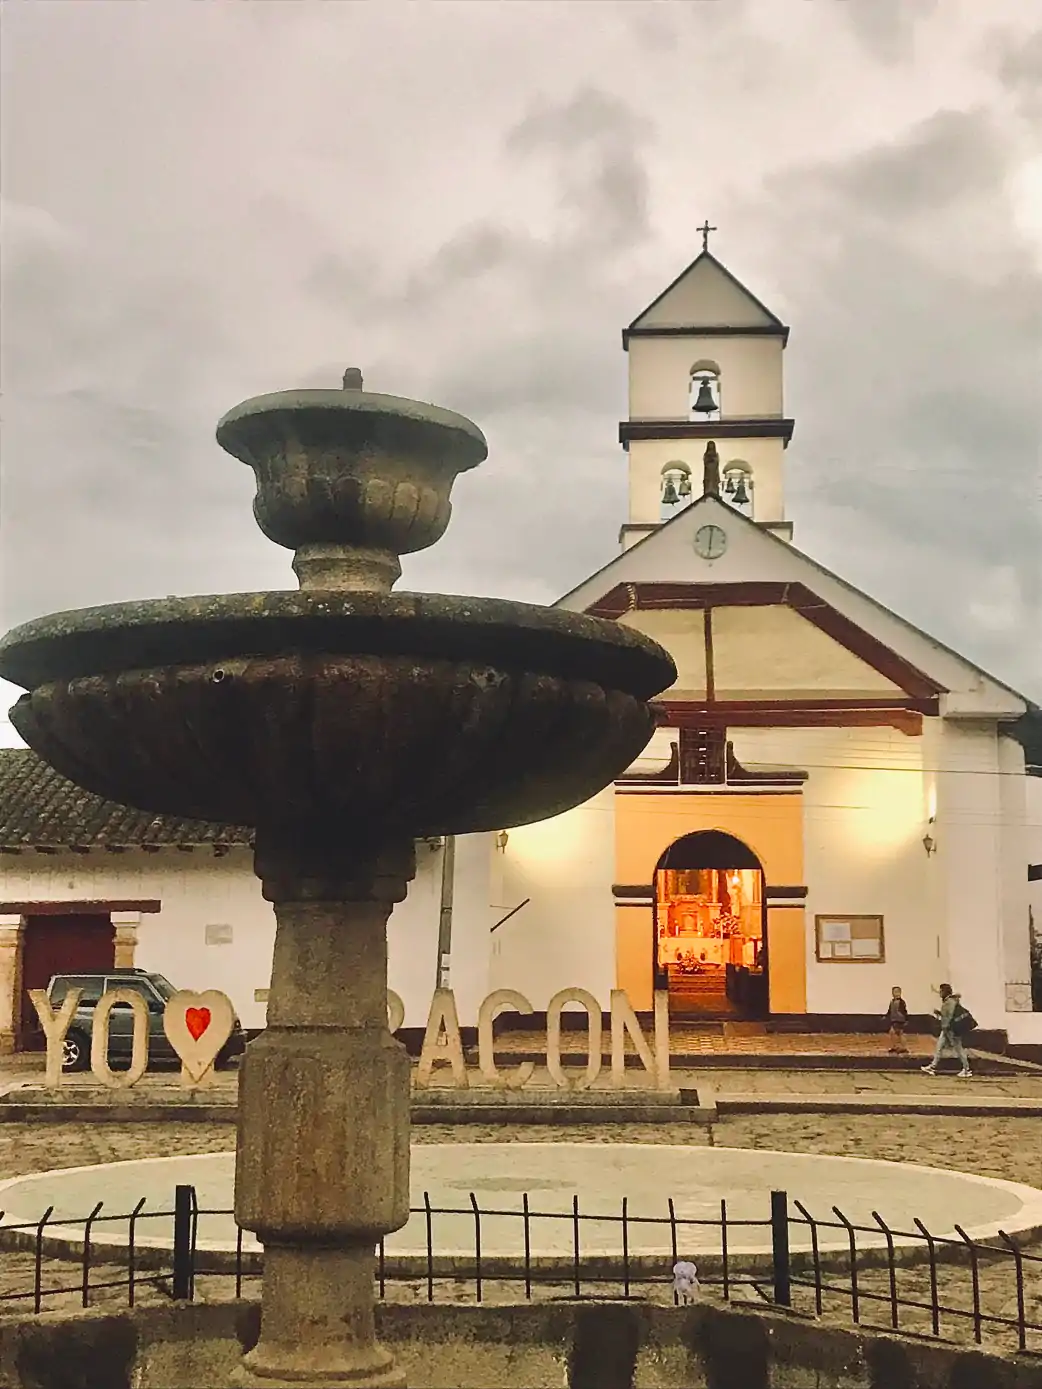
x=469, y=202
x=1019, y=66
x=887, y=28
x=921, y=355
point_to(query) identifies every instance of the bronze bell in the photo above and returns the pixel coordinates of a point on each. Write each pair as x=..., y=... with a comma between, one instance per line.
x=729, y=486
x=685, y=486
x=741, y=496
x=669, y=493
x=704, y=402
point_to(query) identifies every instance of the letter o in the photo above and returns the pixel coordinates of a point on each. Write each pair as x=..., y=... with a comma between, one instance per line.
x=395, y=1011
x=99, y=1042
x=594, y=1038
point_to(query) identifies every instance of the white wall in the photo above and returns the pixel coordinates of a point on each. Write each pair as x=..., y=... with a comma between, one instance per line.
x=864, y=821
x=412, y=932
x=565, y=936
x=660, y=375
x=412, y=938
x=1015, y=855
x=969, y=855
x=472, y=919
x=647, y=458
x=195, y=890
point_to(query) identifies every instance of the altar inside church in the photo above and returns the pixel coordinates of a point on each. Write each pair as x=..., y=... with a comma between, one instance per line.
x=709, y=934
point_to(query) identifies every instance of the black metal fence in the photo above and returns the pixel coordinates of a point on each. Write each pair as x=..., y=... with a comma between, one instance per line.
x=951, y=1287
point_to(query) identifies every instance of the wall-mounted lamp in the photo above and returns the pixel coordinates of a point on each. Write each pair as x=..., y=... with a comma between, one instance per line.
x=502, y=840
x=929, y=843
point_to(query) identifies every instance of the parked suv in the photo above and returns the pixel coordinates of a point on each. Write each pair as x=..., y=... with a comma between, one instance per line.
x=153, y=988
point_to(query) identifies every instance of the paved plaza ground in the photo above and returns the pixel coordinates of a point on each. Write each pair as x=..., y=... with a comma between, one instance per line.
x=1003, y=1146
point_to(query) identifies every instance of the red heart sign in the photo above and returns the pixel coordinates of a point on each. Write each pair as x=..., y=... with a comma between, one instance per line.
x=197, y=1020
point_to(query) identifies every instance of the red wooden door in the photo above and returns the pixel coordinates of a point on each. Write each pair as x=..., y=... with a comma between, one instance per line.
x=70, y=944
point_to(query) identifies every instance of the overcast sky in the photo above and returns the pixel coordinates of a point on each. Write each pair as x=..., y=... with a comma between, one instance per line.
x=469, y=201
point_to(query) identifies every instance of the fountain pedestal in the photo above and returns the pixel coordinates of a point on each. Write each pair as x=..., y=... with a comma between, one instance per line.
x=322, y=1161
x=343, y=722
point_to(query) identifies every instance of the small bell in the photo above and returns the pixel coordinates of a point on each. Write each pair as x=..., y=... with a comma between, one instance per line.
x=704, y=402
x=685, y=486
x=729, y=486
x=669, y=493
x=741, y=496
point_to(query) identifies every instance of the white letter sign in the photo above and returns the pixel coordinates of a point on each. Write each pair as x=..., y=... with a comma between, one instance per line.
x=99, y=1038
x=55, y=1025
x=442, y=1019
x=553, y=1038
x=197, y=1027
x=495, y=1003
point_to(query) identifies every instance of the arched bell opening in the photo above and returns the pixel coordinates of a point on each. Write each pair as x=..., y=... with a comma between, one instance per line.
x=710, y=928
x=704, y=400
x=674, y=488
x=736, y=485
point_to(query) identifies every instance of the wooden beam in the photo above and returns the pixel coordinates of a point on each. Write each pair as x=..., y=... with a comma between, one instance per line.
x=92, y=907
x=768, y=714
x=677, y=597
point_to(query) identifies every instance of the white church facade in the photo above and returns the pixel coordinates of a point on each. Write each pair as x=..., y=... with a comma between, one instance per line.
x=834, y=802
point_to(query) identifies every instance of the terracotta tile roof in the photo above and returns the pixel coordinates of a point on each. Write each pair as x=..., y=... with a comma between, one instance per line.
x=41, y=810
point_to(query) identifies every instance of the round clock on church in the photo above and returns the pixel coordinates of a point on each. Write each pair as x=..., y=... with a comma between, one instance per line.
x=710, y=542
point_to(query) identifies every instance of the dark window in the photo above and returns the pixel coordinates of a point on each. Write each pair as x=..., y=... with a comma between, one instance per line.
x=91, y=984
x=141, y=986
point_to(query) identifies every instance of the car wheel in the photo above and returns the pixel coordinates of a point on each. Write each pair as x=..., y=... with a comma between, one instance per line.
x=75, y=1052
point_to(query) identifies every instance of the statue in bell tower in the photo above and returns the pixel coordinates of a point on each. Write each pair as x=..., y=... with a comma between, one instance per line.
x=710, y=471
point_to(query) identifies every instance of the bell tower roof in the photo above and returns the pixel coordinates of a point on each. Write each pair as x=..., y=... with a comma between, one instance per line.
x=706, y=300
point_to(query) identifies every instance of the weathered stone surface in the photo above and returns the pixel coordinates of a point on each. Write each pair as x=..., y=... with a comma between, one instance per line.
x=336, y=1166
x=362, y=726
x=610, y=1346
x=341, y=724
x=343, y=471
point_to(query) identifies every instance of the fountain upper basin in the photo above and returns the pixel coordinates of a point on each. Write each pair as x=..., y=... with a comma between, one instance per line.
x=405, y=713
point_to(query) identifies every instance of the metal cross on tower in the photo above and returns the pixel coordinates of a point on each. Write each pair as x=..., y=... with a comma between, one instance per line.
x=705, y=229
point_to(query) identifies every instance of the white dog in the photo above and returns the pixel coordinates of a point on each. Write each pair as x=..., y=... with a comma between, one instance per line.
x=685, y=1281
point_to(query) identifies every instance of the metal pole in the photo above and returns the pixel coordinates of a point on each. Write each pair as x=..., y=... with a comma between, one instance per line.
x=780, y=1245
x=182, y=1279
x=448, y=875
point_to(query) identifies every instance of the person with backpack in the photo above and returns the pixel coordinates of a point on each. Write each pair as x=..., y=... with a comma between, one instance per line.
x=956, y=1022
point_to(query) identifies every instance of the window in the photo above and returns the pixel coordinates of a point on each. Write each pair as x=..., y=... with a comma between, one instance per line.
x=91, y=984
x=141, y=986
x=851, y=940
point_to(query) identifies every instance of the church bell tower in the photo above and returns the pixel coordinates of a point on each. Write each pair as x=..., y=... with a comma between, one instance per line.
x=705, y=362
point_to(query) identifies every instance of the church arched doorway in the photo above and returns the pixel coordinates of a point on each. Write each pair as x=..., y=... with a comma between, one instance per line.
x=710, y=936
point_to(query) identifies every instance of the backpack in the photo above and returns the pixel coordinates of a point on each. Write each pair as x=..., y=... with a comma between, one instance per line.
x=964, y=1022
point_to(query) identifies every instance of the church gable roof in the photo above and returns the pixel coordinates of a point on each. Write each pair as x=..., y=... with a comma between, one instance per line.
x=705, y=296
x=774, y=571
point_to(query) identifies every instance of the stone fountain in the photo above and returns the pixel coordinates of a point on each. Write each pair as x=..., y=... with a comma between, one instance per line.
x=343, y=722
